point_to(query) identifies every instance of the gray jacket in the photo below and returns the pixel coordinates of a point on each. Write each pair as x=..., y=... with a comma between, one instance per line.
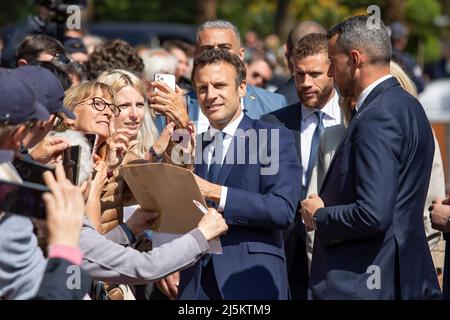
x=107, y=259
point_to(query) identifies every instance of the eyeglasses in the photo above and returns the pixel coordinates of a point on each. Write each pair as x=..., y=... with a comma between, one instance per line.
x=99, y=104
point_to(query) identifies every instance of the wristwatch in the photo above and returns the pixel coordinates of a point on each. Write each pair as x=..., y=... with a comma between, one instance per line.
x=157, y=157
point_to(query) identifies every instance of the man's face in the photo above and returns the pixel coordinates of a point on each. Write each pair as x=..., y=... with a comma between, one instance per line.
x=259, y=73
x=219, y=39
x=183, y=62
x=217, y=93
x=340, y=69
x=314, y=86
x=39, y=131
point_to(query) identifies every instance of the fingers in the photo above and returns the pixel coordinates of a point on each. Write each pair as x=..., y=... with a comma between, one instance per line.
x=133, y=144
x=162, y=285
x=170, y=126
x=50, y=203
x=59, y=173
x=111, y=127
x=57, y=148
x=162, y=86
x=96, y=158
x=57, y=140
x=437, y=200
x=84, y=186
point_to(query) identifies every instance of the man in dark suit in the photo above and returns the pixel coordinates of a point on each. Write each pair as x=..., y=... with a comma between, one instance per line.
x=249, y=170
x=256, y=102
x=370, y=241
x=318, y=108
x=299, y=31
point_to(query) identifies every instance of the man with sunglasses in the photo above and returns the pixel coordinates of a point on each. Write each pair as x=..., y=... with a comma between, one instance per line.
x=259, y=71
x=50, y=94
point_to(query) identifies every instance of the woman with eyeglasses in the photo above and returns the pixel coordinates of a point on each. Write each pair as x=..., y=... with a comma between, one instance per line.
x=134, y=124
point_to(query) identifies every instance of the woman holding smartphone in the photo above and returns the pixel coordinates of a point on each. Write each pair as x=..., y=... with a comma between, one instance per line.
x=134, y=124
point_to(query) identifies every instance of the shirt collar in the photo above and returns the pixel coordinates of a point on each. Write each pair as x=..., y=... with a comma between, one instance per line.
x=6, y=155
x=369, y=89
x=329, y=109
x=230, y=128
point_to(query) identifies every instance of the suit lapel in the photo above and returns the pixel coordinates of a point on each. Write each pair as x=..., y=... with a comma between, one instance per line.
x=379, y=89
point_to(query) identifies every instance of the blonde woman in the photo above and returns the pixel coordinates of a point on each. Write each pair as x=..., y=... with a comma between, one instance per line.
x=137, y=139
x=329, y=142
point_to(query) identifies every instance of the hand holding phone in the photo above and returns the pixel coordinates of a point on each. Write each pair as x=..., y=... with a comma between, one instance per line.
x=168, y=79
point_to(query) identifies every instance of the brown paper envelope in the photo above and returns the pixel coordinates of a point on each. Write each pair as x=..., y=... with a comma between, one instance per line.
x=166, y=189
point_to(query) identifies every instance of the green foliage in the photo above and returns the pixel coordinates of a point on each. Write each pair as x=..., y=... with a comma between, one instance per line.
x=14, y=11
x=145, y=11
x=432, y=49
x=421, y=13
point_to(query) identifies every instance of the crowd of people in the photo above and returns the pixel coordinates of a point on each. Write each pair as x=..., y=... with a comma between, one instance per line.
x=332, y=187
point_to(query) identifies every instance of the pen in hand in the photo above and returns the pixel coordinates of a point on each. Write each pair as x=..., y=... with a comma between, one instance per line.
x=200, y=207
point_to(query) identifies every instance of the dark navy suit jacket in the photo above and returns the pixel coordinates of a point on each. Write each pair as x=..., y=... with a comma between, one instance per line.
x=257, y=208
x=289, y=91
x=370, y=240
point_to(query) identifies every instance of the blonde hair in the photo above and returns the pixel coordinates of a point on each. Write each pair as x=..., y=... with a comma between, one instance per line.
x=403, y=78
x=81, y=92
x=119, y=79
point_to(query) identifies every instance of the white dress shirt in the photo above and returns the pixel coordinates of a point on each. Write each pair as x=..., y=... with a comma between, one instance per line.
x=230, y=130
x=332, y=117
x=368, y=90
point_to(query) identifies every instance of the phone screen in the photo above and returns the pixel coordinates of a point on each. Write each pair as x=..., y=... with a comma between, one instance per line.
x=92, y=140
x=24, y=199
x=71, y=163
x=30, y=170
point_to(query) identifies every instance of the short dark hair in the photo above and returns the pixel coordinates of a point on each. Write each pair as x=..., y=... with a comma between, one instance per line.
x=261, y=56
x=212, y=56
x=33, y=45
x=354, y=33
x=309, y=45
x=114, y=54
x=188, y=49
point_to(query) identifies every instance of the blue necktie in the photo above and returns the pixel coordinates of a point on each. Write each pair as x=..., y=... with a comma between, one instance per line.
x=216, y=159
x=314, y=147
x=213, y=173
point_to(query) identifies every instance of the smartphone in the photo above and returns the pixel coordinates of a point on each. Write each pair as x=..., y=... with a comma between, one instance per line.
x=71, y=163
x=168, y=79
x=24, y=199
x=31, y=171
x=92, y=140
